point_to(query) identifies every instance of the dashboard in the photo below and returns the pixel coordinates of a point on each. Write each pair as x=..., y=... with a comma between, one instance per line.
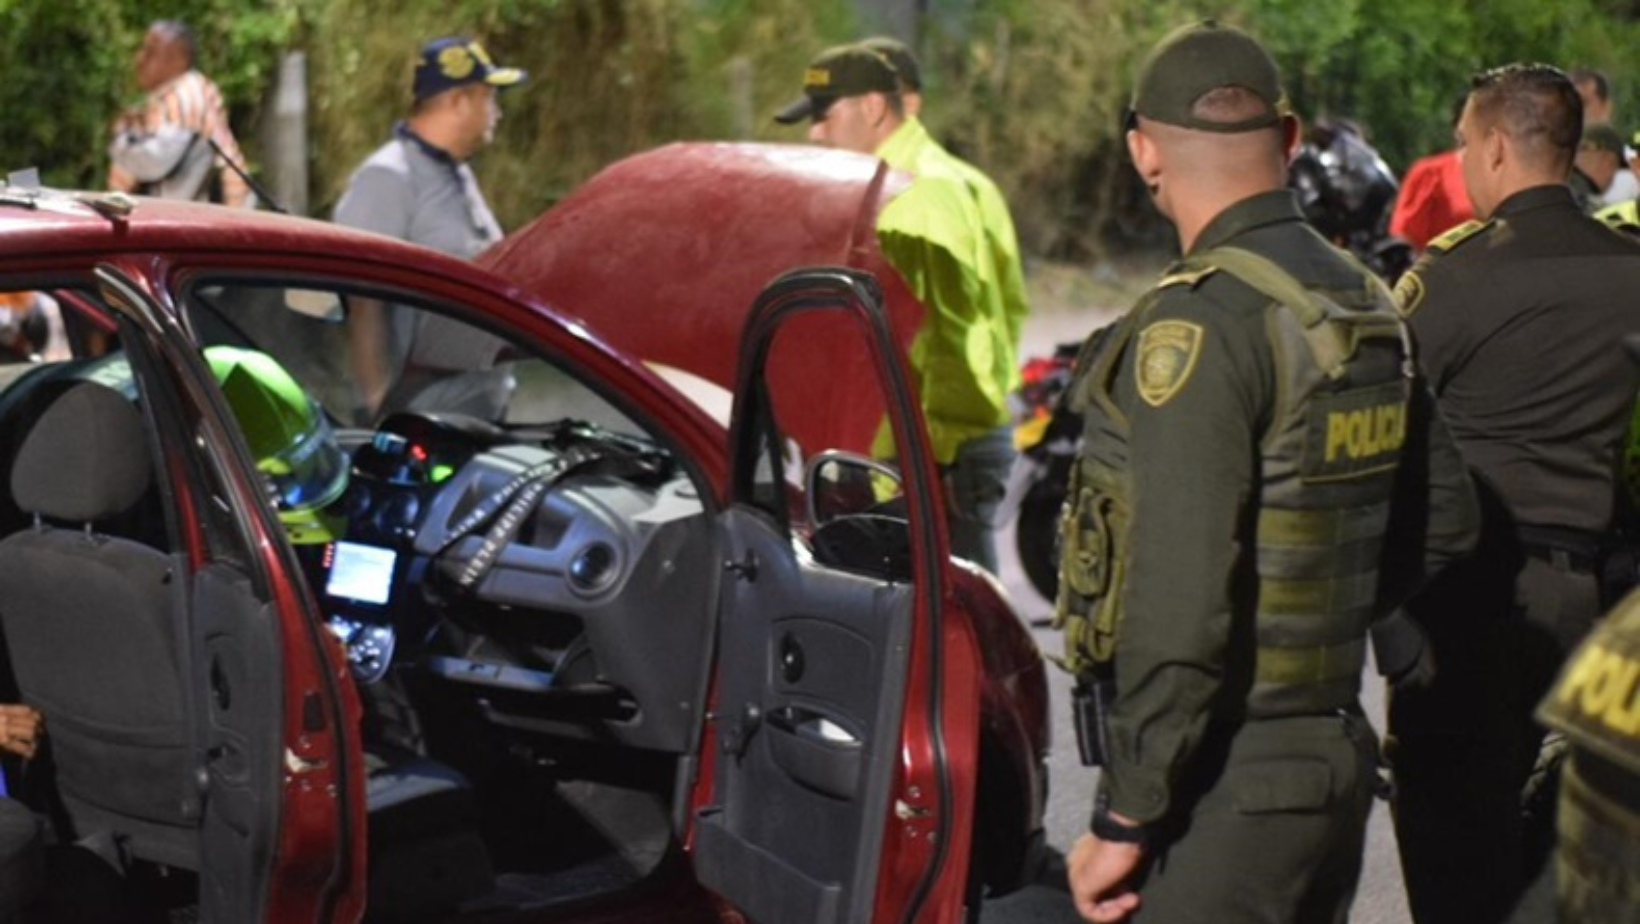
x=561, y=579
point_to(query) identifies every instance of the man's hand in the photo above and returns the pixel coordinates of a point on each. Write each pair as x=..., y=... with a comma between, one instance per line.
x=1098, y=872
x=20, y=729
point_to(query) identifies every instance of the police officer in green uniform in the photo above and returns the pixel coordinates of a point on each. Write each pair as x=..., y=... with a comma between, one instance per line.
x=1256, y=445
x=1596, y=705
x=1519, y=321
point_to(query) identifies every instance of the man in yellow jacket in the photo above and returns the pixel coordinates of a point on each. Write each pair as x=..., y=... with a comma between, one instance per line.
x=952, y=240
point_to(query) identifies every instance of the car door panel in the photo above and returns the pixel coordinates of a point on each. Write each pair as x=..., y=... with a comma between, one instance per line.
x=816, y=658
x=235, y=648
x=812, y=714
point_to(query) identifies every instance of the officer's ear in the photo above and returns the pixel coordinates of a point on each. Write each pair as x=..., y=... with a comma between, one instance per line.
x=1292, y=136
x=1142, y=148
x=1494, y=143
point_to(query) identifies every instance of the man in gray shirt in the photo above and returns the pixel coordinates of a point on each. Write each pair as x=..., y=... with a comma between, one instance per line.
x=418, y=187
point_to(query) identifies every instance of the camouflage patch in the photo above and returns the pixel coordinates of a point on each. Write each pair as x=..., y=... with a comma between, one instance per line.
x=1409, y=293
x=1167, y=355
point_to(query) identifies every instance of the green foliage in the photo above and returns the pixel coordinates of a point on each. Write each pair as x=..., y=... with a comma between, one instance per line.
x=1031, y=90
x=1039, y=84
x=607, y=78
x=1397, y=65
x=70, y=71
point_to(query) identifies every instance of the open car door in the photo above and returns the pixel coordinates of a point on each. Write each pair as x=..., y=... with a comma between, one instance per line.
x=273, y=722
x=830, y=790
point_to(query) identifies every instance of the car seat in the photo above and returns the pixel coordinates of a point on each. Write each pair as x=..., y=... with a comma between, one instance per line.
x=91, y=623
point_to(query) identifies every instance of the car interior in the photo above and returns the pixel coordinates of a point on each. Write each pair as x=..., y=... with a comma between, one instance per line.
x=527, y=601
x=523, y=589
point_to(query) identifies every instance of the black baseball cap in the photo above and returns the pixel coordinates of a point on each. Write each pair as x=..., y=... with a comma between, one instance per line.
x=845, y=70
x=453, y=61
x=1196, y=59
x=900, y=56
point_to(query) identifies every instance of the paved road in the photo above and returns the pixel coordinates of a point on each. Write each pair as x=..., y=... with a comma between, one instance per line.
x=1380, y=899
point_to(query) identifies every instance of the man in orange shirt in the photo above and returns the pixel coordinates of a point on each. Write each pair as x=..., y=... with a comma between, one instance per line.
x=163, y=147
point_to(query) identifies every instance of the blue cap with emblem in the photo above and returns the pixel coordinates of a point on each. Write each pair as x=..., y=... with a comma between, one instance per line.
x=454, y=61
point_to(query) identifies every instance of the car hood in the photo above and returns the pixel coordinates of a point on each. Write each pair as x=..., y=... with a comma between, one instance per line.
x=662, y=254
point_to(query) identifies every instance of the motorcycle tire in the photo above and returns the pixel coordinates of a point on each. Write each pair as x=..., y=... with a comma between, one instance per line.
x=1036, y=533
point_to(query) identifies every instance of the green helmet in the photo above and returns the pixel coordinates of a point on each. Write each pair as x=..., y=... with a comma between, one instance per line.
x=295, y=449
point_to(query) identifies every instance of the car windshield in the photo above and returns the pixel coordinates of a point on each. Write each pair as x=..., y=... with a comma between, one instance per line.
x=363, y=357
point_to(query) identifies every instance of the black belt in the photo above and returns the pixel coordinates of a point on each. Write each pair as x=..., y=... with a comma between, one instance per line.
x=1563, y=559
x=1566, y=549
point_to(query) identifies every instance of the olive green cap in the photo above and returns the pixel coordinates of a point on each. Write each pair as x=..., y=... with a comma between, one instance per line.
x=838, y=72
x=900, y=56
x=1196, y=59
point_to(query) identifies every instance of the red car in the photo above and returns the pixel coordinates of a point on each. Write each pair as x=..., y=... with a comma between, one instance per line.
x=528, y=633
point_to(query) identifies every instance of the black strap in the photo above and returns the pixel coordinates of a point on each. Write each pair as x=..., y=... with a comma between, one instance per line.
x=509, y=508
x=503, y=531
x=1579, y=542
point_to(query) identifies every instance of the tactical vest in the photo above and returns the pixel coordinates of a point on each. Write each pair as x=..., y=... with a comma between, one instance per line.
x=1326, y=472
x=1596, y=705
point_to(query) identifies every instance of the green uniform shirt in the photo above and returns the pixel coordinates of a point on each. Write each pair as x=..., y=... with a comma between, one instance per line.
x=950, y=237
x=1184, y=649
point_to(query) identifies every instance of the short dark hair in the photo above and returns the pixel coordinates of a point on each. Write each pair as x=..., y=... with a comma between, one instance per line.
x=1536, y=105
x=177, y=31
x=1602, y=86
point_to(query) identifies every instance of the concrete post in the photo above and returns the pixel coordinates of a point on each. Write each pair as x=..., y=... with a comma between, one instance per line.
x=284, y=136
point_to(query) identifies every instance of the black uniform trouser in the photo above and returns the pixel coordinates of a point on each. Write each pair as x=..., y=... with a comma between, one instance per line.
x=1464, y=750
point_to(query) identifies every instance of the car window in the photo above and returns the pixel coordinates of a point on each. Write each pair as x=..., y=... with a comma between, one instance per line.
x=52, y=323
x=797, y=418
x=365, y=355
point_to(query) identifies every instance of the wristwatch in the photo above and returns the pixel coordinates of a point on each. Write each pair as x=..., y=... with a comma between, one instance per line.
x=1107, y=828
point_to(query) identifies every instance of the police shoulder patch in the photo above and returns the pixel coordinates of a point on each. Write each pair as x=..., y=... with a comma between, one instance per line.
x=1186, y=277
x=1449, y=239
x=1167, y=354
x=1409, y=292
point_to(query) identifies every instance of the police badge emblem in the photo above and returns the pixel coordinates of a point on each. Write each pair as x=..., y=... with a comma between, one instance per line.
x=1167, y=356
x=1409, y=293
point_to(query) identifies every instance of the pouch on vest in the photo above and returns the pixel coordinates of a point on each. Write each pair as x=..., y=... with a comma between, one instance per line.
x=1090, y=575
x=1092, y=527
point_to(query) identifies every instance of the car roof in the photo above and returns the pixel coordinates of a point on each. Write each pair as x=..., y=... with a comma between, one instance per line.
x=45, y=221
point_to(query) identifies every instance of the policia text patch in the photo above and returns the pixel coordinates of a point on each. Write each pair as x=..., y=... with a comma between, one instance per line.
x=1355, y=433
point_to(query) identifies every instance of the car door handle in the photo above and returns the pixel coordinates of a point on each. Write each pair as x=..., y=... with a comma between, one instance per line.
x=814, y=726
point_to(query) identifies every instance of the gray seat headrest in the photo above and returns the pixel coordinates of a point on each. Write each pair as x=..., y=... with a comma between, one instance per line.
x=85, y=459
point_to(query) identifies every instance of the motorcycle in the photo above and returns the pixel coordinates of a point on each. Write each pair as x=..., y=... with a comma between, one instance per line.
x=1347, y=192
x=1045, y=435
